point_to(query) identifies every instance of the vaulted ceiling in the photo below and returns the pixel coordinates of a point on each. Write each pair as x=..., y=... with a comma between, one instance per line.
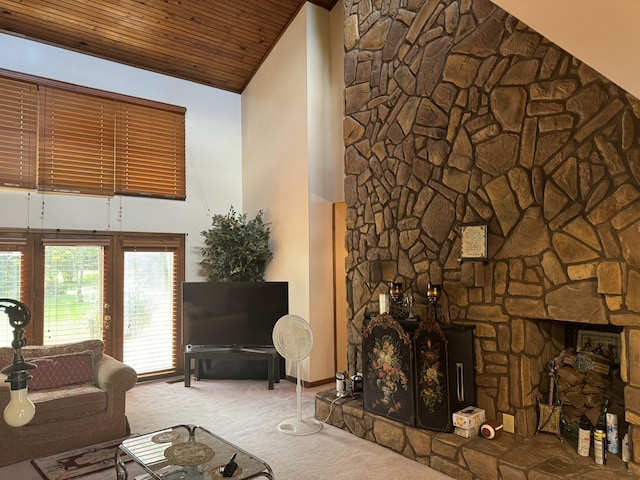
x=220, y=43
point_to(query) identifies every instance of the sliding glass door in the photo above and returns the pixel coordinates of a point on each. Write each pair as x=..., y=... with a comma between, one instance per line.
x=123, y=288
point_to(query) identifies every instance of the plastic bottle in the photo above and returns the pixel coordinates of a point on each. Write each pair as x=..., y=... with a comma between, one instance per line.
x=626, y=452
x=584, y=436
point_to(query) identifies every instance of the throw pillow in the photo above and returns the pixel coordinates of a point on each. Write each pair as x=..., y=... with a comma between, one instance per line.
x=61, y=370
x=38, y=351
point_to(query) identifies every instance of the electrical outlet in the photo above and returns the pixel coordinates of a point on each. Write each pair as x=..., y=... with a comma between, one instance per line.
x=508, y=423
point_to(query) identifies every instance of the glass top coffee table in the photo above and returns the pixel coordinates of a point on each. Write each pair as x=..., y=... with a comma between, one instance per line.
x=187, y=452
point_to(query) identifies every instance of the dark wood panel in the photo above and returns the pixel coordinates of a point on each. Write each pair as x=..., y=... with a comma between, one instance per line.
x=220, y=43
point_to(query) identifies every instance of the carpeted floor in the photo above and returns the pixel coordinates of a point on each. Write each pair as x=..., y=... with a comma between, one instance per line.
x=246, y=413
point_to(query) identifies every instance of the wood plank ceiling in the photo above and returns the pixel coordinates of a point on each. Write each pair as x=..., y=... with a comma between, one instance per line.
x=220, y=43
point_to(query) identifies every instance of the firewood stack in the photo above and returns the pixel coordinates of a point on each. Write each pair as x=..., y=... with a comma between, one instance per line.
x=584, y=393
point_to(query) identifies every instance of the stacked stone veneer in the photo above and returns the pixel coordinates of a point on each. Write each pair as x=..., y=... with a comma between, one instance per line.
x=456, y=112
x=508, y=457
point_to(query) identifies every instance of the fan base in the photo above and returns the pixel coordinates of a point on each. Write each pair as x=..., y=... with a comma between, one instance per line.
x=300, y=426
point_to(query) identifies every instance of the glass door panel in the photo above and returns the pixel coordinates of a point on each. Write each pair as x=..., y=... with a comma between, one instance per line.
x=149, y=304
x=73, y=293
x=10, y=268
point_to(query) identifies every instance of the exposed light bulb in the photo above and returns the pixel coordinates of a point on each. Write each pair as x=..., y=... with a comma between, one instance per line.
x=20, y=410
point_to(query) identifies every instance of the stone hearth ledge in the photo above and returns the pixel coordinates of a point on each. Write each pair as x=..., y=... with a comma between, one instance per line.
x=509, y=457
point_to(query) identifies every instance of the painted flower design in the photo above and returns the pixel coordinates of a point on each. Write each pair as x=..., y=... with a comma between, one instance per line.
x=431, y=376
x=387, y=371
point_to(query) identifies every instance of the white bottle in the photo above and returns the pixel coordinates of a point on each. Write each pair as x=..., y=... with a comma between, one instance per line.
x=584, y=437
x=626, y=452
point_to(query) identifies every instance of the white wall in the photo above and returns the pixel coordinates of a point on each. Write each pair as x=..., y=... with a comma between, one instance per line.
x=293, y=168
x=337, y=161
x=214, y=151
x=601, y=33
x=325, y=172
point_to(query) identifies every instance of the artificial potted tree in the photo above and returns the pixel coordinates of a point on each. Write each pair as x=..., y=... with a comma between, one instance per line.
x=234, y=312
x=236, y=249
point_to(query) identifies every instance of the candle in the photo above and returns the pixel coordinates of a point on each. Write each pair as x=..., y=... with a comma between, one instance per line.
x=433, y=291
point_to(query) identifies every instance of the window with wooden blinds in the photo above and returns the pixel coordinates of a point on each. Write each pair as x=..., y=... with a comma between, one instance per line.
x=76, y=143
x=150, y=148
x=18, y=133
x=60, y=137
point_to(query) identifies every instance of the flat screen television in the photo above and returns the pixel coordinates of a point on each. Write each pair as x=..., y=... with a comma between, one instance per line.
x=232, y=314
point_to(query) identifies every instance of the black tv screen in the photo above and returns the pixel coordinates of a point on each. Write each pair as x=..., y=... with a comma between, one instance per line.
x=232, y=314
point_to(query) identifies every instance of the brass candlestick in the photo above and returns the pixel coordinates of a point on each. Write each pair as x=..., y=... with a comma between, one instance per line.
x=395, y=292
x=434, y=309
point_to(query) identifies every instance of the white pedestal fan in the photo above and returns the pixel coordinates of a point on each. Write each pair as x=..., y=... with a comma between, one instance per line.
x=293, y=339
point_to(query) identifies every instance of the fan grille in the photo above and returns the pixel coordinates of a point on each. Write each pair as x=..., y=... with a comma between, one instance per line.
x=292, y=337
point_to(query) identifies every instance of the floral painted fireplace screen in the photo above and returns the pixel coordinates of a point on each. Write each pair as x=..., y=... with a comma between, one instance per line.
x=388, y=386
x=406, y=372
x=432, y=391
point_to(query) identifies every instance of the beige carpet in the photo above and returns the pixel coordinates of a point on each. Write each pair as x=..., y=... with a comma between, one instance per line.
x=246, y=413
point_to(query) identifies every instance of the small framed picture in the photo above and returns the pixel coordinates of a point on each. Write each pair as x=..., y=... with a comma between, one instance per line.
x=474, y=244
x=605, y=345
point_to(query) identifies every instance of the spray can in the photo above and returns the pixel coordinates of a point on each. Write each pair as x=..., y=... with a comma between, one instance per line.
x=613, y=440
x=600, y=446
x=584, y=436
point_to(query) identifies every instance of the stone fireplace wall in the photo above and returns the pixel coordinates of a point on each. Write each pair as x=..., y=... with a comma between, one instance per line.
x=456, y=112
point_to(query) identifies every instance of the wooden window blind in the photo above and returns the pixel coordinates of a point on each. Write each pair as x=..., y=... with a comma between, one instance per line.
x=150, y=150
x=86, y=141
x=18, y=133
x=76, y=143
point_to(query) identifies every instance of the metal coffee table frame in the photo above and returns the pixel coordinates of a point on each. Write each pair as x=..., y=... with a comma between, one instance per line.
x=149, y=455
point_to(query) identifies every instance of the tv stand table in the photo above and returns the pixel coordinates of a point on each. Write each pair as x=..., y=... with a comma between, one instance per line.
x=242, y=353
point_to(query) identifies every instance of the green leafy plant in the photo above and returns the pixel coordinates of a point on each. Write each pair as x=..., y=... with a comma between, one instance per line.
x=237, y=249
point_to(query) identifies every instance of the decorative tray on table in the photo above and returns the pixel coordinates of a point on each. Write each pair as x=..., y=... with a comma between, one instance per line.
x=189, y=454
